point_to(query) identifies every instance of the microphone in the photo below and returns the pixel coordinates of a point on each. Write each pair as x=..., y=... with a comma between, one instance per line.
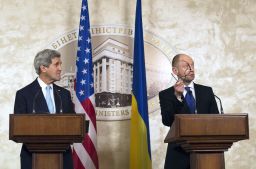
x=34, y=99
x=57, y=92
x=221, y=108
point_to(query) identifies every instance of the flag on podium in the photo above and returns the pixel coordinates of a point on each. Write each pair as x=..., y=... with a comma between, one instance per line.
x=85, y=153
x=140, y=151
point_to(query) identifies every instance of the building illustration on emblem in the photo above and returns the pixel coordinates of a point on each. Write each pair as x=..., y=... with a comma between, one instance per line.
x=112, y=71
x=112, y=74
x=67, y=81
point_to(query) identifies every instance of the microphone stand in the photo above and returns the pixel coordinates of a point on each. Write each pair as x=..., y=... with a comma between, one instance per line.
x=34, y=100
x=221, y=108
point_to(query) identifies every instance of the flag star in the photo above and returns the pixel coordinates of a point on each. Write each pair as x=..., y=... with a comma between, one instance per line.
x=87, y=50
x=84, y=8
x=81, y=28
x=91, y=85
x=88, y=40
x=82, y=17
x=77, y=59
x=86, y=61
x=79, y=48
x=84, y=71
x=81, y=92
x=80, y=38
x=82, y=82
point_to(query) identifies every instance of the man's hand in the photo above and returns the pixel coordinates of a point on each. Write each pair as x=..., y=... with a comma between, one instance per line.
x=178, y=89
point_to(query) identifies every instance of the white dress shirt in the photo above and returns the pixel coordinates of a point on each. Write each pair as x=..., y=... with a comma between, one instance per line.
x=192, y=88
x=43, y=87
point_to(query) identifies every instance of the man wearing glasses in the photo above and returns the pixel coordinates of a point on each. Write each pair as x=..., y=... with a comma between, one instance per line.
x=185, y=97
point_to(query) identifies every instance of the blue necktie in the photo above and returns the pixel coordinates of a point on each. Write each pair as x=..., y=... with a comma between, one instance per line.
x=49, y=99
x=190, y=100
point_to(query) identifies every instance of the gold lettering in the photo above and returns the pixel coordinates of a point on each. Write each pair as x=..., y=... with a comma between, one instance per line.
x=58, y=42
x=99, y=113
x=108, y=30
x=54, y=45
x=118, y=113
x=121, y=30
x=74, y=34
x=92, y=31
x=130, y=31
x=70, y=37
x=103, y=30
x=98, y=30
x=63, y=40
x=114, y=29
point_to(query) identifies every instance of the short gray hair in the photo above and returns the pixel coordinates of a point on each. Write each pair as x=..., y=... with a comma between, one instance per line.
x=44, y=58
x=176, y=59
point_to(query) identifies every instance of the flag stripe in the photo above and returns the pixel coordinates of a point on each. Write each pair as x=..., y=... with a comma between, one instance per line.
x=139, y=150
x=77, y=161
x=91, y=151
x=89, y=109
x=83, y=156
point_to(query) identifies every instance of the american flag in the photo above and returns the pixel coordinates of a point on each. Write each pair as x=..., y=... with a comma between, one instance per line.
x=85, y=153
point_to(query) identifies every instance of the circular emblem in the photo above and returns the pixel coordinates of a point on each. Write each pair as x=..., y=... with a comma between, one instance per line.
x=112, y=52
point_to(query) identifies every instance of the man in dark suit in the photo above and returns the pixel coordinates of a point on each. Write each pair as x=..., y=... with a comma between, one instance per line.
x=184, y=97
x=43, y=96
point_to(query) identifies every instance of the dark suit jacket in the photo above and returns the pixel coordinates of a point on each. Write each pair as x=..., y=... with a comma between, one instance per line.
x=31, y=97
x=176, y=157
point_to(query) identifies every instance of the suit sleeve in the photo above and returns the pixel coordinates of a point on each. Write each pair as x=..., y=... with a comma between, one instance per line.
x=170, y=106
x=20, y=103
x=71, y=104
x=213, y=108
x=68, y=106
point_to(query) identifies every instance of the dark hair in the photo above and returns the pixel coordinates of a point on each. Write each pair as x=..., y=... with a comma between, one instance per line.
x=44, y=58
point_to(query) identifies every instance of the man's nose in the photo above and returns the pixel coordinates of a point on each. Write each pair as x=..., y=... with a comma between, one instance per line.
x=191, y=68
x=59, y=67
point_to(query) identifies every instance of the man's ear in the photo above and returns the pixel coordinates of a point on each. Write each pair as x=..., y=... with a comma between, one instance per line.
x=175, y=70
x=43, y=68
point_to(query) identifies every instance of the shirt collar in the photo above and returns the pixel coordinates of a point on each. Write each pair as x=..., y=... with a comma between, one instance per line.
x=191, y=85
x=42, y=84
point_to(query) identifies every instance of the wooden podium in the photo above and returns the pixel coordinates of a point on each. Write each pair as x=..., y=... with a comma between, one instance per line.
x=206, y=137
x=47, y=136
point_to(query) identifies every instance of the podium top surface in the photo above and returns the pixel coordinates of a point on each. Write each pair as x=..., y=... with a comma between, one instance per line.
x=47, y=127
x=220, y=127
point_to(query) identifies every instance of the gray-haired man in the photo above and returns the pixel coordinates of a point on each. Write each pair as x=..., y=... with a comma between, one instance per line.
x=43, y=96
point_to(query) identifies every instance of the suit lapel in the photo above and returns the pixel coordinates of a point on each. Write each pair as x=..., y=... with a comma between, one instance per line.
x=198, y=98
x=56, y=99
x=40, y=105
